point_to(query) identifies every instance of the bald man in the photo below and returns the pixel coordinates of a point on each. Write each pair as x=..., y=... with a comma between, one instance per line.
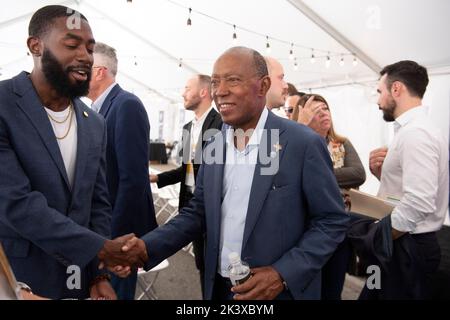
x=278, y=92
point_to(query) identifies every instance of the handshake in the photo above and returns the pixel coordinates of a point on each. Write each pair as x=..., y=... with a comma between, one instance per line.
x=123, y=254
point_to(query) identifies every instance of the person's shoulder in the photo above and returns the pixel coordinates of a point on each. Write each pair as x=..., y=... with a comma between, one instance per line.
x=6, y=90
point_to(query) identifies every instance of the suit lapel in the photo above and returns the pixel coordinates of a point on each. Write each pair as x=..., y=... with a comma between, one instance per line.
x=109, y=99
x=31, y=105
x=272, y=147
x=217, y=187
x=83, y=139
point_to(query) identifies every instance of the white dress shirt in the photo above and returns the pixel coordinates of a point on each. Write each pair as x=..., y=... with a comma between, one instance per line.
x=68, y=145
x=195, y=135
x=415, y=172
x=237, y=184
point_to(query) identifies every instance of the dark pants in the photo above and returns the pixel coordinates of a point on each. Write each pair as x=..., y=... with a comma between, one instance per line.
x=409, y=277
x=125, y=287
x=333, y=273
x=199, y=248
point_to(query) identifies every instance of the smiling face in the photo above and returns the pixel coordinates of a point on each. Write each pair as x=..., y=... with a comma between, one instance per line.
x=66, y=57
x=238, y=92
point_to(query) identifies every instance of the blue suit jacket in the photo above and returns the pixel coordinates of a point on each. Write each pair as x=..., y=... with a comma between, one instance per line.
x=127, y=163
x=295, y=218
x=45, y=224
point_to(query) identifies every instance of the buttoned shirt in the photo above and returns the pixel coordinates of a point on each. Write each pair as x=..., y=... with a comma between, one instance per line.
x=237, y=183
x=415, y=172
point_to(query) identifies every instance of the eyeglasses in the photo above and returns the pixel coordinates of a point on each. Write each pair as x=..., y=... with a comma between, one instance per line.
x=289, y=110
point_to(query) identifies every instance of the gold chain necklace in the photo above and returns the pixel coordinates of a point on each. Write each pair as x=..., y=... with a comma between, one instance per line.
x=63, y=121
x=70, y=115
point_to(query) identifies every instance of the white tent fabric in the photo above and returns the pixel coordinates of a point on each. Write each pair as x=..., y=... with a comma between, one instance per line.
x=152, y=38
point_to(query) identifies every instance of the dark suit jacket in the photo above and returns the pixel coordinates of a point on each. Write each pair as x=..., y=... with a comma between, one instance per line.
x=45, y=224
x=127, y=163
x=212, y=121
x=295, y=217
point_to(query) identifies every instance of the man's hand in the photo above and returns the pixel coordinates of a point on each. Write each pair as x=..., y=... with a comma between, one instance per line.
x=153, y=178
x=134, y=244
x=264, y=284
x=308, y=112
x=376, y=160
x=112, y=255
x=102, y=290
x=396, y=234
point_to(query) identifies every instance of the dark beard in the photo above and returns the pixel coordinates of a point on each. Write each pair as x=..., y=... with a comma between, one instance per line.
x=388, y=113
x=58, y=78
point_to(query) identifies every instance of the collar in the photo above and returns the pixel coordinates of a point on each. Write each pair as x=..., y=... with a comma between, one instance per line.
x=410, y=115
x=97, y=104
x=255, y=139
x=203, y=117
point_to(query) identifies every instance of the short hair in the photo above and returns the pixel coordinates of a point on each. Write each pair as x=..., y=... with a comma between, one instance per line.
x=292, y=90
x=108, y=57
x=410, y=73
x=43, y=19
x=205, y=82
x=260, y=64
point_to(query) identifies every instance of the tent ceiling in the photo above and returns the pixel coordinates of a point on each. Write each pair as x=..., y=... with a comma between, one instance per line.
x=151, y=36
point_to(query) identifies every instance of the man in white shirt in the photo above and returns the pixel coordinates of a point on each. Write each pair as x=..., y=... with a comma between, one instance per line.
x=415, y=169
x=197, y=98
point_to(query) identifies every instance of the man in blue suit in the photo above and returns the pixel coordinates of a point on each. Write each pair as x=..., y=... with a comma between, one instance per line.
x=54, y=208
x=126, y=155
x=270, y=195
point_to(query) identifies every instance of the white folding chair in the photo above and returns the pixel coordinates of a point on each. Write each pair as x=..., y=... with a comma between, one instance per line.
x=147, y=285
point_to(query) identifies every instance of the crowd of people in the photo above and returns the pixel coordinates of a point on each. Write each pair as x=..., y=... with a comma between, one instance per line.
x=75, y=191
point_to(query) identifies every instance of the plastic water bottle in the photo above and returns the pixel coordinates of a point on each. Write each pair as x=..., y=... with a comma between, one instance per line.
x=239, y=271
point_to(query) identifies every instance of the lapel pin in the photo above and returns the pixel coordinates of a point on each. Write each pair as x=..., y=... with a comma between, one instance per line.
x=277, y=147
x=85, y=114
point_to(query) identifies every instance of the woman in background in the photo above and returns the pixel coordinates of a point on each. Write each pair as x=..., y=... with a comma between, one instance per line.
x=314, y=111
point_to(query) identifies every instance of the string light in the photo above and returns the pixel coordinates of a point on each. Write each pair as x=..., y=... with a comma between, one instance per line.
x=295, y=64
x=267, y=45
x=355, y=61
x=342, y=62
x=189, y=21
x=313, y=57
x=291, y=57
x=328, y=61
x=135, y=61
x=180, y=65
